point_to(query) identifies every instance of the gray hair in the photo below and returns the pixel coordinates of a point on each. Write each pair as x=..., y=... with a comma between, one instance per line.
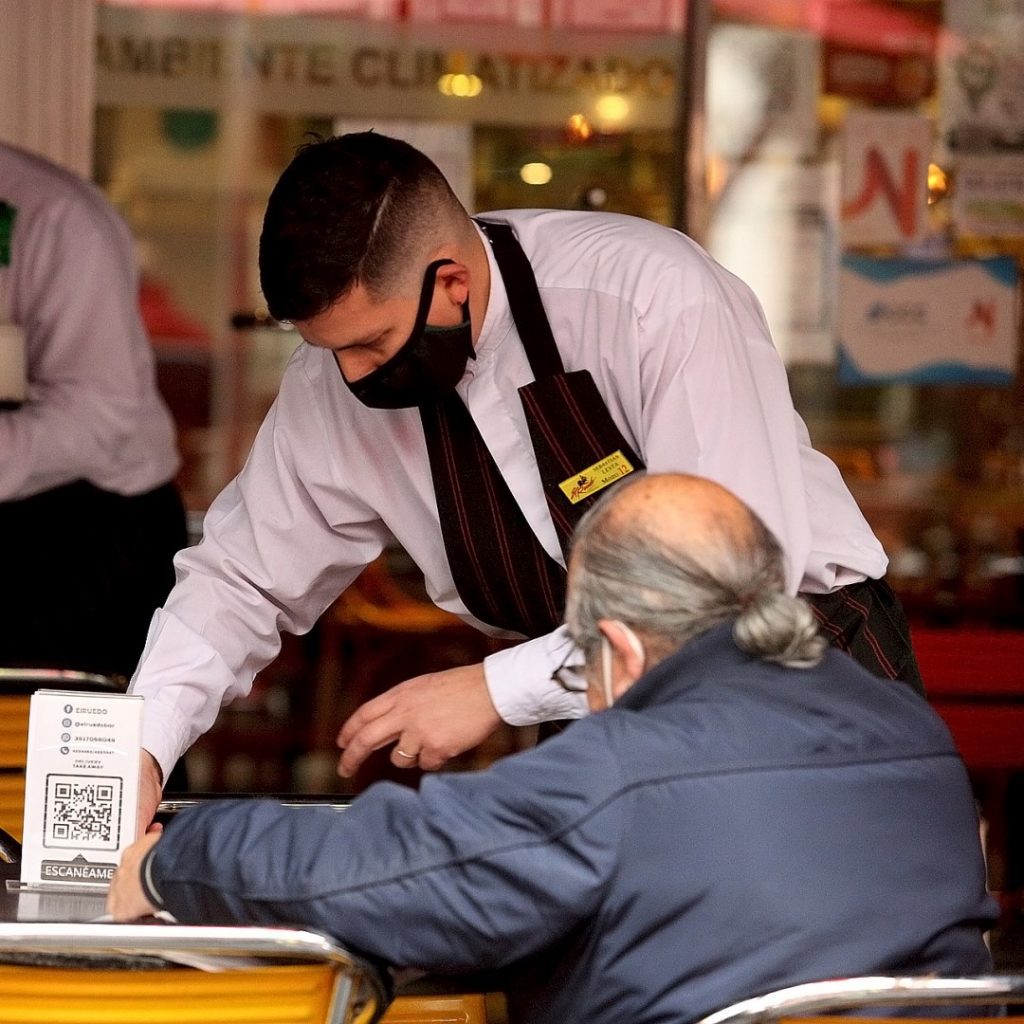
x=624, y=569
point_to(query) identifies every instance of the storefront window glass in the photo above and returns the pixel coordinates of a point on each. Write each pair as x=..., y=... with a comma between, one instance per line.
x=864, y=175
x=865, y=179
x=200, y=111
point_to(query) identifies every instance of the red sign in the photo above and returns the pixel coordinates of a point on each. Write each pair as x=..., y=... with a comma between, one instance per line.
x=635, y=15
x=868, y=25
x=873, y=26
x=502, y=12
x=776, y=13
x=886, y=78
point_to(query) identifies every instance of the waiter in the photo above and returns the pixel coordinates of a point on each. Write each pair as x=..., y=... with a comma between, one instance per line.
x=469, y=387
x=89, y=517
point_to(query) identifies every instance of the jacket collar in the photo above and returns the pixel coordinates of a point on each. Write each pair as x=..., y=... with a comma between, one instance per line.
x=705, y=656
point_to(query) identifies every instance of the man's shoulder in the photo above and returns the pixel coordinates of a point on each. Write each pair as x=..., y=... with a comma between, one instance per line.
x=609, y=252
x=765, y=713
x=542, y=228
x=34, y=181
x=56, y=204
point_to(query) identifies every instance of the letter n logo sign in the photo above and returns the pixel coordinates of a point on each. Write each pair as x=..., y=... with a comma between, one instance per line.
x=885, y=178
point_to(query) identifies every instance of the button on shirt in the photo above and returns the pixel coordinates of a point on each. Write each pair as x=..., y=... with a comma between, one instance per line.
x=679, y=350
x=93, y=411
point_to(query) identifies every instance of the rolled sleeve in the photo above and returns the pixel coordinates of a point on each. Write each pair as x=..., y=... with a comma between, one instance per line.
x=520, y=684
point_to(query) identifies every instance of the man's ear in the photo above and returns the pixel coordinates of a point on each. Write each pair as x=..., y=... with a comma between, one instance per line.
x=454, y=278
x=627, y=658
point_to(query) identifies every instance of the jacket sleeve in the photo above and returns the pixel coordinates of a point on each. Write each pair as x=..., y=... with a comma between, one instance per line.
x=473, y=872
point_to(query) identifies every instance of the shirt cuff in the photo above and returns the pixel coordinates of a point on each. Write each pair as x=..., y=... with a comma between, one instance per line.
x=520, y=683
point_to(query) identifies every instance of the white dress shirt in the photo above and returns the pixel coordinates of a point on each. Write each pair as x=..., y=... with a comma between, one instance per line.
x=92, y=410
x=678, y=348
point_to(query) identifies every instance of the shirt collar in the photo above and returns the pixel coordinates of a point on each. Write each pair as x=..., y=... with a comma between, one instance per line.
x=498, y=322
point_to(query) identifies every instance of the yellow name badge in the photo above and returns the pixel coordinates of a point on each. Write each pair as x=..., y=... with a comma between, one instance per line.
x=596, y=477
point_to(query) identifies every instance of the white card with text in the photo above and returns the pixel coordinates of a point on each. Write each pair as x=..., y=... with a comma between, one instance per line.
x=81, y=786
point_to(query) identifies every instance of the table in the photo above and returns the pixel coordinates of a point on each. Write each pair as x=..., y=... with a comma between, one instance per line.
x=58, y=964
x=420, y=998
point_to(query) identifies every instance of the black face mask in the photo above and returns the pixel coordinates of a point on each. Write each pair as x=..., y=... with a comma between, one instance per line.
x=427, y=366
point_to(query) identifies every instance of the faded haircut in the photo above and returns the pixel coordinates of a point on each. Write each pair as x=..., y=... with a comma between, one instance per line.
x=354, y=209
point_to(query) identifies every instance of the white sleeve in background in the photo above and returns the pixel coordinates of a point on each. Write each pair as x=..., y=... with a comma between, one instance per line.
x=92, y=410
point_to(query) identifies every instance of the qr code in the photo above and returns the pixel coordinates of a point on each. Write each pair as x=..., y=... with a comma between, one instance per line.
x=82, y=812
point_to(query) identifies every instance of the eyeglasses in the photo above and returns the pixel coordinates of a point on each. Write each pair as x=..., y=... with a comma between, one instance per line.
x=568, y=674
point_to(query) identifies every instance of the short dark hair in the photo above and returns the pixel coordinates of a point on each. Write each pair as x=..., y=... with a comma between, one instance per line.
x=345, y=211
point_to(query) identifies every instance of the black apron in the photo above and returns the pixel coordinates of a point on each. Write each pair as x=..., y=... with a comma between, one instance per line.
x=866, y=620
x=503, y=574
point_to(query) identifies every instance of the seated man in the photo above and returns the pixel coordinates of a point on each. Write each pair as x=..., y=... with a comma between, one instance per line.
x=748, y=810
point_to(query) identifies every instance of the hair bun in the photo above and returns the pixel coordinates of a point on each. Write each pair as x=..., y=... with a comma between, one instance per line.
x=775, y=627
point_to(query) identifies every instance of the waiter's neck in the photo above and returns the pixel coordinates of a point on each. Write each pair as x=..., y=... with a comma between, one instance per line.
x=474, y=255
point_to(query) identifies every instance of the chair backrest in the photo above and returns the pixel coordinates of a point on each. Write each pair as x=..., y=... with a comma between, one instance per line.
x=16, y=688
x=145, y=974
x=813, y=1000
x=454, y=1008
x=974, y=678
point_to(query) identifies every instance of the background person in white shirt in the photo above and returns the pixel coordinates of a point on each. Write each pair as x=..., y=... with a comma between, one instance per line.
x=89, y=516
x=452, y=427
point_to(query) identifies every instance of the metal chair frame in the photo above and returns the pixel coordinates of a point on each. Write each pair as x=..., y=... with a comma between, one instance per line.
x=26, y=680
x=821, y=997
x=358, y=985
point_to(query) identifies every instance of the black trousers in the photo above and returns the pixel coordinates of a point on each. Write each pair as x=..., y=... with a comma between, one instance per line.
x=81, y=572
x=867, y=621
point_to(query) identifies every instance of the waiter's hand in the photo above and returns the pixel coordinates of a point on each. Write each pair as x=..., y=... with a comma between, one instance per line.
x=429, y=719
x=151, y=788
x=126, y=900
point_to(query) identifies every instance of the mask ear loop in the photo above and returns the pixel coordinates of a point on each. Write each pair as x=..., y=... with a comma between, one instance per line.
x=634, y=641
x=427, y=300
x=606, y=658
x=606, y=671
x=384, y=371
x=427, y=293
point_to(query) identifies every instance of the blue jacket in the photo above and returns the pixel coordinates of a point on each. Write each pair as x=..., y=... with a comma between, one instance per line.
x=729, y=827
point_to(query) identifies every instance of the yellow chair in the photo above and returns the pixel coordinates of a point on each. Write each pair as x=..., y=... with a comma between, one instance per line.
x=140, y=974
x=439, y=1009
x=16, y=688
x=813, y=1002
